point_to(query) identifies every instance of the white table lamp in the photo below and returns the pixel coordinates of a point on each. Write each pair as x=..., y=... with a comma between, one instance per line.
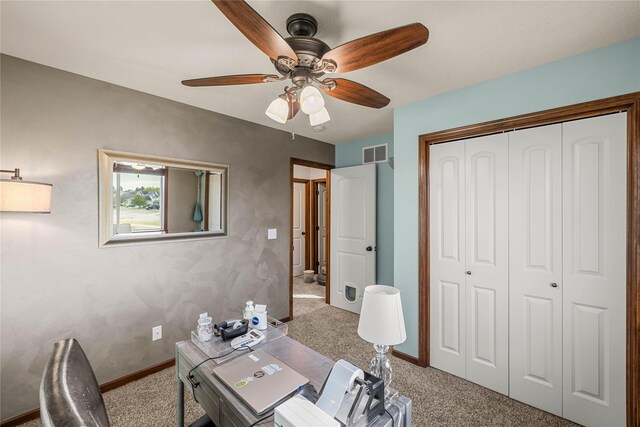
x=382, y=324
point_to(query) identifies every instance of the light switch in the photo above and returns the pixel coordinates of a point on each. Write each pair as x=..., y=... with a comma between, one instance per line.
x=272, y=233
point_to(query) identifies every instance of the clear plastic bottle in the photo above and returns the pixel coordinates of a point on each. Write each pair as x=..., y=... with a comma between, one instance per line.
x=247, y=313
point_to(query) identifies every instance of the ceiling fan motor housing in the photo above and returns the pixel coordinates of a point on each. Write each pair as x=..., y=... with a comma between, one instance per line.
x=302, y=25
x=309, y=50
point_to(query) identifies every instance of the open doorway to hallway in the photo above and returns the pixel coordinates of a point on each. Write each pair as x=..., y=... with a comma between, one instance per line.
x=309, y=237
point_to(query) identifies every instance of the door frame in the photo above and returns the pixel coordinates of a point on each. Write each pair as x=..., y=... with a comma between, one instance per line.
x=316, y=165
x=629, y=103
x=307, y=212
x=314, y=221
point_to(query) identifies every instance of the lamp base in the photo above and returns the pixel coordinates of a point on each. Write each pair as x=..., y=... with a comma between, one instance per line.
x=380, y=367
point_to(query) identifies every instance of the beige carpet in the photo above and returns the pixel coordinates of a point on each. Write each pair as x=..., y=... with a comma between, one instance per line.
x=307, y=297
x=439, y=399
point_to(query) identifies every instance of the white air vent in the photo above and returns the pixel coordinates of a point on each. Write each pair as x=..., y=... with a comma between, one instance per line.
x=374, y=154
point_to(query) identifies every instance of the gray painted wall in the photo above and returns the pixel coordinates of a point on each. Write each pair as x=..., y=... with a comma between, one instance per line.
x=182, y=200
x=56, y=282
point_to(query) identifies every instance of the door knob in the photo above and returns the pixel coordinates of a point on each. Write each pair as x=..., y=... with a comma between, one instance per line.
x=303, y=233
x=554, y=285
x=369, y=248
x=468, y=273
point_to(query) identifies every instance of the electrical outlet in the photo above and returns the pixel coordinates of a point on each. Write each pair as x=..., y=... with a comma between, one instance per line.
x=272, y=233
x=156, y=333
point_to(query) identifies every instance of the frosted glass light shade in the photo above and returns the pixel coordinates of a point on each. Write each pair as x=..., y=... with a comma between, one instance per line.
x=311, y=100
x=320, y=117
x=381, y=316
x=278, y=110
x=24, y=196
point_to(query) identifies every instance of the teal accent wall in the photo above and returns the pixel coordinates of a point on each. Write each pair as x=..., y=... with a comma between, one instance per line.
x=610, y=71
x=350, y=154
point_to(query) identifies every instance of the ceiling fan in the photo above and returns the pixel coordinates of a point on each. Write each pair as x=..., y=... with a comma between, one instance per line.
x=304, y=60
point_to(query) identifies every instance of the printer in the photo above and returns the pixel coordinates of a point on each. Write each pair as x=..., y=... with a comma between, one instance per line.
x=348, y=398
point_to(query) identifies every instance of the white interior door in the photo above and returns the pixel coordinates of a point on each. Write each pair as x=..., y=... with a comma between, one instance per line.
x=535, y=267
x=299, y=202
x=487, y=262
x=447, y=257
x=322, y=226
x=594, y=229
x=353, y=234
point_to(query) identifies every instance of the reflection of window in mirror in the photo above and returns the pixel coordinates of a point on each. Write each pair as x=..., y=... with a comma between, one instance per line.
x=139, y=198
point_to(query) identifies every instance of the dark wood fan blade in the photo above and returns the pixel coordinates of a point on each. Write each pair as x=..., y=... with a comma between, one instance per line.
x=370, y=50
x=294, y=107
x=350, y=91
x=240, y=79
x=256, y=29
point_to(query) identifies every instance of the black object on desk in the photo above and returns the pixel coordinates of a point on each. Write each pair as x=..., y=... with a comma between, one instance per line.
x=231, y=329
x=203, y=421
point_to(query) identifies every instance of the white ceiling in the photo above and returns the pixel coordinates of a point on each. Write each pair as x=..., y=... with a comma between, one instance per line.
x=151, y=46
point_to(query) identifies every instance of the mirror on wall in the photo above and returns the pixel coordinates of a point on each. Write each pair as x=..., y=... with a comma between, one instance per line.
x=146, y=198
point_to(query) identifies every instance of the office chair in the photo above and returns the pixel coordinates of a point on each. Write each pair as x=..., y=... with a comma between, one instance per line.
x=69, y=392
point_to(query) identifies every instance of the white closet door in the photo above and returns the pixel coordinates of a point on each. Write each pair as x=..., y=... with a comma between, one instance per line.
x=535, y=267
x=594, y=227
x=447, y=264
x=487, y=261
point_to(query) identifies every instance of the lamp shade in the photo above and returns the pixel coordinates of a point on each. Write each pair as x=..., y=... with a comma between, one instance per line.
x=319, y=118
x=311, y=100
x=278, y=110
x=24, y=196
x=381, y=317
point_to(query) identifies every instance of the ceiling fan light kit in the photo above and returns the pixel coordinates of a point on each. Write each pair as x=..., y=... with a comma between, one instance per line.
x=304, y=60
x=278, y=110
x=311, y=100
x=319, y=118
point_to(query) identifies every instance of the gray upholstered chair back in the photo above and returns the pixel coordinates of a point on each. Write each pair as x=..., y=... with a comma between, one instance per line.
x=69, y=393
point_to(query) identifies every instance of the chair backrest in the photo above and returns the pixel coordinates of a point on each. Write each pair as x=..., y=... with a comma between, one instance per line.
x=69, y=392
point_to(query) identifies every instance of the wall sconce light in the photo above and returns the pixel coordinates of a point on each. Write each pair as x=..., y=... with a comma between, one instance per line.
x=17, y=195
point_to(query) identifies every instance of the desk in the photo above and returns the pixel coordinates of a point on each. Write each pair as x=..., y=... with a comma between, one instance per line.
x=226, y=410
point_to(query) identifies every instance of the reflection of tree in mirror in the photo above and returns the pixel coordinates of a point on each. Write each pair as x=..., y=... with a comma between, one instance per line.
x=139, y=201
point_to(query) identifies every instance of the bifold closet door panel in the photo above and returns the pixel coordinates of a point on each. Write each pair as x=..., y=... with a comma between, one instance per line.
x=535, y=267
x=487, y=261
x=594, y=270
x=447, y=263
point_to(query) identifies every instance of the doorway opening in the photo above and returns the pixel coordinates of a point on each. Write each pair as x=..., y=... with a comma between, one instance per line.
x=309, y=250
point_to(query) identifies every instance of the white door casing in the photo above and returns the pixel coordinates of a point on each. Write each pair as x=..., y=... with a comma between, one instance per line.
x=594, y=260
x=535, y=267
x=299, y=221
x=447, y=257
x=322, y=226
x=353, y=234
x=487, y=261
